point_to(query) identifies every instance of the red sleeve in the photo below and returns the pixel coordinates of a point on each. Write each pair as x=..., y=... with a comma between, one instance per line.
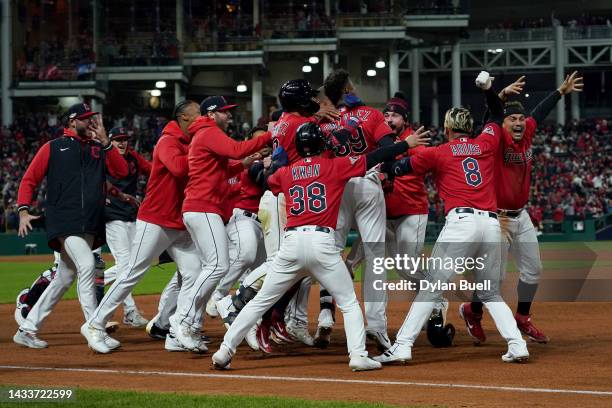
x=530, y=128
x=33, y=176
x=116, y=165
x=491, y=135
x=172, y=157
x=235, y=167
x=219, y=143
x=424, y=161
x=274, y=181
x=144, y=166
x=377, y=127
x=350, y=166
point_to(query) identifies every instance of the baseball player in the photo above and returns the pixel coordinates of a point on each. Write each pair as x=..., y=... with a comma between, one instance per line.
x=120, y=217
x=159, y=224
x=363, y=203
x=512, y=191
x=203, y=208
x=75, y=166
x=464, y=170
x=313, y=186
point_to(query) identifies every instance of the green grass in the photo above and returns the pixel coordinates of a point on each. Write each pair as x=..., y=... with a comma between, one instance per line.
x=18, y=275
x=129, y=399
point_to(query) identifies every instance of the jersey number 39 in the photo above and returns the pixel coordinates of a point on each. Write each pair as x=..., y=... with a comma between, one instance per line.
x=311, y=198
x=472, y=172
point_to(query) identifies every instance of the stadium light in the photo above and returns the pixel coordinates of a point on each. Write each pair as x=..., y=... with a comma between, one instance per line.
x=155, y=92
x=160, y=84
x=313, y=60
x=241, y=87
x=526, y=95
x=380, y=63
x=306, y=68
x=371, y=73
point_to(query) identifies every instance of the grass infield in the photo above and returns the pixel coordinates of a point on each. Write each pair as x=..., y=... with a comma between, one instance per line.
x=18, y=275
x=118, y=399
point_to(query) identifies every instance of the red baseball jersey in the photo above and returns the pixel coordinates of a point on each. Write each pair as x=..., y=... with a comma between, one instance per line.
x=513, y=172
x=367, y=126
x=283, y=133
x=313, y=188
x=409, y=196
x=250, y=194
x=464, y=169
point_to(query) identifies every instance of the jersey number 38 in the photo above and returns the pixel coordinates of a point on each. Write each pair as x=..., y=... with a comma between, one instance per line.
x=311, y=198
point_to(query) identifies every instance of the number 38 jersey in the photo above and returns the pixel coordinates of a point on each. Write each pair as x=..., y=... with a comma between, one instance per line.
x=313, y=188
x=464, y=169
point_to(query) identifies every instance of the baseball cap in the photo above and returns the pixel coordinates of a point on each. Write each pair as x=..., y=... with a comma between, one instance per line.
x=215, y=104
x=79, y=111
x=118, y=133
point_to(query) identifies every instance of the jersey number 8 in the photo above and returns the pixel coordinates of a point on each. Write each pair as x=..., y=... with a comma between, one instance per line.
x=311, y=198
x=472, y=172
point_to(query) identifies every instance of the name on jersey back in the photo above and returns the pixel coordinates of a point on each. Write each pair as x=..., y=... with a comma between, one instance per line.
x=303, y=172
x=465, y=149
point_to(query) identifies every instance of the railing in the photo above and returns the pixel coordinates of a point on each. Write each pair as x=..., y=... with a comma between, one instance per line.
x=210, y=44
x=537, y=34
x=369, y=20
x=59, y=71
x=139, y=49
x=294, y=26
x=588, y=32
x=433, y=7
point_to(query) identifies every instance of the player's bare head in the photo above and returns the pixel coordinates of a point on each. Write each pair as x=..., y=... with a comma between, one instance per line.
x=396, y=114
x=514, y=119
x=337, y=84
x=324, y=101
x=186, y=112
x=458, y=122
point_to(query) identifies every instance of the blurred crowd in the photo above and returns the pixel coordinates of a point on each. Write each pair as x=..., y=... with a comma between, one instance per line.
x=572, y=173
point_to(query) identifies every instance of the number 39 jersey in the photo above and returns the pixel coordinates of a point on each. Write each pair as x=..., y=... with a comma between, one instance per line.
x=464, y=169
x=313, y=188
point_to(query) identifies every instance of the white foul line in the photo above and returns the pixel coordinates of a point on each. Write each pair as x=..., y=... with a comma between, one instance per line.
x=312, y=379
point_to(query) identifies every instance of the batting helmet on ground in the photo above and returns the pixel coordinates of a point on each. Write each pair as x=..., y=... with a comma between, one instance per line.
x=438, y=334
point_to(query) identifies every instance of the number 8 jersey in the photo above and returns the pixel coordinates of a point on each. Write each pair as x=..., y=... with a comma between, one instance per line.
x=464, y=169
x=313, y=188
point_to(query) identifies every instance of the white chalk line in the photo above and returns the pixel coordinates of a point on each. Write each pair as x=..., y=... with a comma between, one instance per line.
x=312, y=379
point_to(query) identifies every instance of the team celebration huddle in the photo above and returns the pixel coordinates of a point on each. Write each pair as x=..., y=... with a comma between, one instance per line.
x=271, y=216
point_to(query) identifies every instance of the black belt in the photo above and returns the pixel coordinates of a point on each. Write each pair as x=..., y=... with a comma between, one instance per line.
x=312, y=228
x=467, y=210
x=509, y=213
x=251, y=215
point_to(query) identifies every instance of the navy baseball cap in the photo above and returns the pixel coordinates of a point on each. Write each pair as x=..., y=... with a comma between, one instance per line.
x=118, y=133
x=80, y=111
x=215, y=104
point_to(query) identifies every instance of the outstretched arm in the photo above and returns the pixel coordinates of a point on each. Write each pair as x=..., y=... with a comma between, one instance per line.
x=572, y=83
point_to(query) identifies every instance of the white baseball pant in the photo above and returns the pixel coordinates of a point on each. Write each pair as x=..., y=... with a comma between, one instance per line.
x=76, y=261
x=119, y=237
x=245, y=236
x=305, y=252
x=521, y=241
x=464, y=235
x=150, y=240
x=167, y=302
x=364, y=202
x=406, y=236
x=210, y=238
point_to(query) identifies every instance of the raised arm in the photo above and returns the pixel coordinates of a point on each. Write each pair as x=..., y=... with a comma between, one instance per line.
x=572, y=83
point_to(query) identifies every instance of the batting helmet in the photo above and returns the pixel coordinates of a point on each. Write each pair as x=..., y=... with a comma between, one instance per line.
x=438, y=334
x=296, y=96
x=309, y=140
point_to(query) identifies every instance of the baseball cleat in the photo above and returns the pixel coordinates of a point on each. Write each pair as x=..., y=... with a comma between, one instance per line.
x=528, y=329
x=111, y=327
x=222, y=358
x=21, y=307
x=205, y=339
x=278, y=331
x=516, y=354
x=172, y=344
x=187, y=337
x=29, y=339
x=473, y=323
x=299, y=332
x=398, y=353
x=135, y=319
x=251, y=338
x=263, y=338
x=226, y=310
x=211, y=307
x=322, y=337
x=380, y=338
x=156, y=332
x=111, y=343
x=95, y=338
x=364, y=363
